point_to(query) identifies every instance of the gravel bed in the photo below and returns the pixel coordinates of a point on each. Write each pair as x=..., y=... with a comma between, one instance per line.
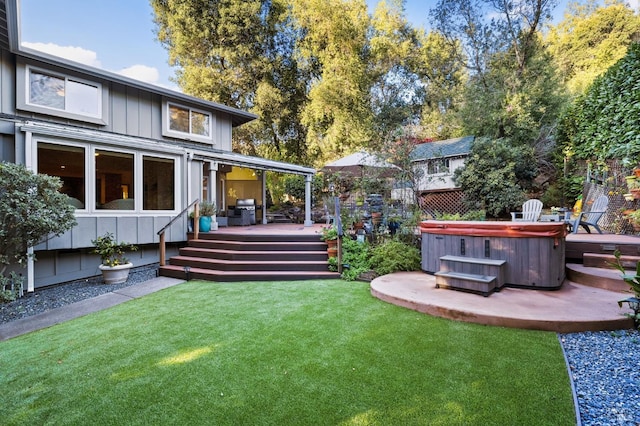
x=606, y=377
x=603, y=365
x=44, y=299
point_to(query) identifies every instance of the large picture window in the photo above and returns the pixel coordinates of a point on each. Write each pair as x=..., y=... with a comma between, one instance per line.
x=67, y=163
x=186, y=123
x=158, y=176
x=114, y=180
x=64, y=93
x=97, y=179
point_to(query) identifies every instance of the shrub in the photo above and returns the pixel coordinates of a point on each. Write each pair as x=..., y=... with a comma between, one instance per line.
x=356, y=256
x=393, y=256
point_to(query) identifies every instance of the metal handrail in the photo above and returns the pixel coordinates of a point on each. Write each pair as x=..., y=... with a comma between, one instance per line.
x=196, y=227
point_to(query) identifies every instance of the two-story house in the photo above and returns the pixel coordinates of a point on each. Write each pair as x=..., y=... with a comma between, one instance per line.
x=131, y=155
x=437, y=162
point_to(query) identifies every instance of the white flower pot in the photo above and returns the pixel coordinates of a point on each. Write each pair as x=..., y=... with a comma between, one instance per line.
x=115, y=274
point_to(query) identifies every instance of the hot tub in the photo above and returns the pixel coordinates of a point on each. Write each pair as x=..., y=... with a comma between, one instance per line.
x=483, y=257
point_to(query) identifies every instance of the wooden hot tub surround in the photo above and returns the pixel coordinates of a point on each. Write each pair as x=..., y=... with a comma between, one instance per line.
x=483, y=257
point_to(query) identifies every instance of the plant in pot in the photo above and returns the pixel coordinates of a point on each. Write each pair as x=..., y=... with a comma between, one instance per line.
x=330, y=236
x=634, y=218
x=115, y=266
x=207, y=210
x=633, y=184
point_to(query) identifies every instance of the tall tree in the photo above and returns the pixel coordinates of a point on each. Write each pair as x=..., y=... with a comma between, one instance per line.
x=590, y=39
x=240, y=53
x=333, y=46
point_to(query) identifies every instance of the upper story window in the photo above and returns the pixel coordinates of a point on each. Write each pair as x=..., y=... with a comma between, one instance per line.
x=438, y=166
x=64, y=93
x=51, y=93
x=187, y=123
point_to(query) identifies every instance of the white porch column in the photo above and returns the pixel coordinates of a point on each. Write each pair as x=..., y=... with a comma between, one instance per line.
x=307, y=200
x=213, y=191
x=29, y=164
x=263, y=178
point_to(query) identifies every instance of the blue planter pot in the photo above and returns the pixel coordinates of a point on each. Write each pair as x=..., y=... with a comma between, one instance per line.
x=205, y=223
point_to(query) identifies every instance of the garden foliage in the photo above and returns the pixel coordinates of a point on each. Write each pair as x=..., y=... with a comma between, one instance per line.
x=31, y=210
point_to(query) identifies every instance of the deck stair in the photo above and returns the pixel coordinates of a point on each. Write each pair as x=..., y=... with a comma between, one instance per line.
x=483, y=276
x=217, y=256
x=597, y=270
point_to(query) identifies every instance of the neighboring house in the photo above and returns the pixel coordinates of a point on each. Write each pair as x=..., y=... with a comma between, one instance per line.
x=130, y=155
x=439, y=160
x=436, y=163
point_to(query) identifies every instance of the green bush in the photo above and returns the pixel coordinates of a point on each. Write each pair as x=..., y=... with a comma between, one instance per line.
x=357, y=258
x=393, y=256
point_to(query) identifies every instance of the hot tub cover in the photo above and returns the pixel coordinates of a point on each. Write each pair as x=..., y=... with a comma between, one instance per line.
x=495, y=229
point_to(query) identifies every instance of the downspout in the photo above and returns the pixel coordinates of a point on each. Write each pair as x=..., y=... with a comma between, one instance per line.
x=307, y=200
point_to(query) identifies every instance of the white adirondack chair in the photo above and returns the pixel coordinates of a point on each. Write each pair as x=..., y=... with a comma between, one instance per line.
x=591, y=217
x=531, y=210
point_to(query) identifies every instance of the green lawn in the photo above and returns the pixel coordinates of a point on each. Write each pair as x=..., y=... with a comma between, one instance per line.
x=283, y=353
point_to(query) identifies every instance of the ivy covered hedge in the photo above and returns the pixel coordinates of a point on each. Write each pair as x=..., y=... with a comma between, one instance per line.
x=605, y=122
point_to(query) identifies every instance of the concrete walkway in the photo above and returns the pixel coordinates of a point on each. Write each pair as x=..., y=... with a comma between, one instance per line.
x=84, y=307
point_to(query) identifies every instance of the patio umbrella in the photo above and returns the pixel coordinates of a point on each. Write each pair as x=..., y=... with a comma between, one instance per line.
x=358, y=163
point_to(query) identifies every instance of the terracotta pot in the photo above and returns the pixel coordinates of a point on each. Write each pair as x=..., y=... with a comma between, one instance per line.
x=332, y=252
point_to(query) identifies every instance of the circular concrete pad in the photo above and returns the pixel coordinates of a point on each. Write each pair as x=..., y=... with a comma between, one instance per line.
x=572, y=308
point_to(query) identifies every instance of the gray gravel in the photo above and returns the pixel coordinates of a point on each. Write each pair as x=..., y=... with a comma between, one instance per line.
x=42, y=300
x=604, y=368
x=603, y=365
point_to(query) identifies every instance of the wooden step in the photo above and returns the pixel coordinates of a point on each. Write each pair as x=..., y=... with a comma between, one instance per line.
x=235, y=276
x=220, y=256
x=257, y=255
x=250, y=265
x=604, y=278
x=599, y=260
x=482, y=284
x=259, y=245
x=475, y=267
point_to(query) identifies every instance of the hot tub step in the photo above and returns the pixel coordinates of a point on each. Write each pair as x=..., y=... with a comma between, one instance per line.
x=475, y=267
x=482, y=284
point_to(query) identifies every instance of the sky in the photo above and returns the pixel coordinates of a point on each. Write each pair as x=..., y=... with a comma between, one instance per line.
x=119, y=35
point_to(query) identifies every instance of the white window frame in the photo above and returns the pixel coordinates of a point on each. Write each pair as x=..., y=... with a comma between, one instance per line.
x=23, y=75
x=167, y=131
x=90, y=177
x=442, y=166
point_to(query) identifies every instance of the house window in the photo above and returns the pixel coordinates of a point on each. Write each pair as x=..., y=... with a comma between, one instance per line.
x=114, y=180
x=158, y=181
x=64, y=93
x=98, y=179
x=438, y=166
x=187, y=123
x=68, y=164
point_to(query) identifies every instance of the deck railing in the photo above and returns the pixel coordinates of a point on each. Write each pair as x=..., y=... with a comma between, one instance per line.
x=196, y=228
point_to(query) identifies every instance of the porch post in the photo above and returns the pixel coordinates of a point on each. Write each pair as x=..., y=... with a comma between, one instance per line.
x=263, y=178
x=307, y=200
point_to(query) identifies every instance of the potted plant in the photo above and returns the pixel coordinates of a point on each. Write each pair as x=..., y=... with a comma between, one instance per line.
x=115, y=266
x=633, y=184
x=207, y=210
x=634, y=218
x=394, y=223
x=330, y=236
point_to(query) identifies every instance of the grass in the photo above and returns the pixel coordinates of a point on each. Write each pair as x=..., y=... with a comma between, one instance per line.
x=283, y=353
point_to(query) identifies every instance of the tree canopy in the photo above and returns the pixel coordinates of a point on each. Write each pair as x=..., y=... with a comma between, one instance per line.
x=327, y=78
